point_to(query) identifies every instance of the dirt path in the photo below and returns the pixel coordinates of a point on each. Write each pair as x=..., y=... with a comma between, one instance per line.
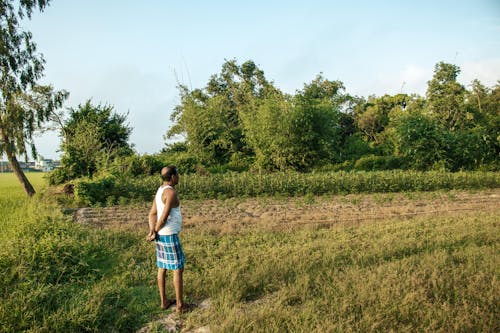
x=238, y=214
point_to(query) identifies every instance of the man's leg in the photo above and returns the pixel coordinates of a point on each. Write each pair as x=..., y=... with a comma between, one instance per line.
x=161, y=287
x=178, y=285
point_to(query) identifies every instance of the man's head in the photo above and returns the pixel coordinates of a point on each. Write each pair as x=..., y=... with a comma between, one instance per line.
x=169, y=174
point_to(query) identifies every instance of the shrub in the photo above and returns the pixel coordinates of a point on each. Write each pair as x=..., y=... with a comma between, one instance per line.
x=378, y=163
x=239, y=162
x=185, y=162
x=58, y=176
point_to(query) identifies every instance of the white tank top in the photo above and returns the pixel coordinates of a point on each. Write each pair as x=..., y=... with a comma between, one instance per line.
x=173, y=224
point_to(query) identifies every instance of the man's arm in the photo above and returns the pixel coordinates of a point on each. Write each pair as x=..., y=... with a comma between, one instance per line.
x=153, y=213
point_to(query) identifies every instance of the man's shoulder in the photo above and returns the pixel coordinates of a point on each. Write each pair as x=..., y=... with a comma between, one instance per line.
x=168, y=192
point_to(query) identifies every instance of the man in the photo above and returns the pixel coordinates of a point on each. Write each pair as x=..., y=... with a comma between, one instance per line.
x=165, y=223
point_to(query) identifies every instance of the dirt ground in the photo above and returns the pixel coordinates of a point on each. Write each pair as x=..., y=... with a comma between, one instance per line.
x=232, y=215
x=270, y=213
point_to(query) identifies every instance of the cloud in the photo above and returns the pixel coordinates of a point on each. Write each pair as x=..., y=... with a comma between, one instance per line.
x=413, y=78
x=409, y=80
x=487, y=71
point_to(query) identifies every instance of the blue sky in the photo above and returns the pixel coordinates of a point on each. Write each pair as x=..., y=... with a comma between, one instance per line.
x=130, y=54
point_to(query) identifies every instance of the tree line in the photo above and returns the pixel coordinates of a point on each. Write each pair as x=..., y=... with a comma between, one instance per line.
x=241, y=121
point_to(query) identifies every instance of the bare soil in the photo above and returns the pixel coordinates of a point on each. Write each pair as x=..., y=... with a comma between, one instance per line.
x=268, y=213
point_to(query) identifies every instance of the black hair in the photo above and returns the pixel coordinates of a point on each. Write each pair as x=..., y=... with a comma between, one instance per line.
x=168, y=172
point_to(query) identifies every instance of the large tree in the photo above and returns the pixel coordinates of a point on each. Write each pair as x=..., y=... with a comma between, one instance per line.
x=297, y=132
x=446, y=97
x=24, y=105
x=93, y=136
x=210, y=118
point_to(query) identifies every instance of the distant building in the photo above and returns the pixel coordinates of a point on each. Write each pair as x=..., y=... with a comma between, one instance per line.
x=5, y=166
x=44, y=164
x=41, y=164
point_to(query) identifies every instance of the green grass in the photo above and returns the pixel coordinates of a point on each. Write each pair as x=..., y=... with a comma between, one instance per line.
x=13, y=198
x=10, y=186
x=423, y=274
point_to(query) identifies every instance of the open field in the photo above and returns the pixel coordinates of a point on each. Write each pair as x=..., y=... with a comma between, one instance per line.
x=10, y=186
x=401, y=262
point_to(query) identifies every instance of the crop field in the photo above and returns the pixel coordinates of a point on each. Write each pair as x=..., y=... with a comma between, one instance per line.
x=421, y=262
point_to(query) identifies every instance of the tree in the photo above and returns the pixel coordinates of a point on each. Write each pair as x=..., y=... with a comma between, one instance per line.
x=316, y=128
x=267, y=131
x=296, y=132
x=93, y=136
x=210, y=118
x=24, y=105
x=446, y=97
x=484, y=104
x=373, y=116
x=421, y=140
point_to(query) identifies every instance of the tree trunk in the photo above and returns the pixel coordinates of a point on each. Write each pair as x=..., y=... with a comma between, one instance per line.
x=16, y=167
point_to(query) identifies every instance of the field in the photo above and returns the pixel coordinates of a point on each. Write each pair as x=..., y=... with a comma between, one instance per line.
x=424, y=261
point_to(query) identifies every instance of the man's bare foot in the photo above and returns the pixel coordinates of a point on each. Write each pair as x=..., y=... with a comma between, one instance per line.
x=168, y=304
x=183, y=308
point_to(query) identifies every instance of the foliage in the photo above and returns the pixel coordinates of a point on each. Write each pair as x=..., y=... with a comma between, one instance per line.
x=354, y=147
x=373, y=116
x=108, y=189
x=446, y=97
x=24, y=105
x=136, y=165
x=421, y=140
x=469, y=149
x=315, y=130
x=210, y=117
x=379, y=163
x=240, y=112
x=240, y=116
x=93, y=136
x=296, y=133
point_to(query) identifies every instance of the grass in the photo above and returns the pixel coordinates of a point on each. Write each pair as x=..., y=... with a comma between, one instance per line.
x=410, y=275
x=436, y=274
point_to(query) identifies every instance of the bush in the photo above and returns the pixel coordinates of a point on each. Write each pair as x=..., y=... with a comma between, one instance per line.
x=185, y=162
x=58, y=176
x=354, y=148
x=421, y=140
x=239, y=162
x=135, y=165
x=379, y=163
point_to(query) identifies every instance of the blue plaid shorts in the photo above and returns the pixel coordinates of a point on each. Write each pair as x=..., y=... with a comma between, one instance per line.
x=169, y=254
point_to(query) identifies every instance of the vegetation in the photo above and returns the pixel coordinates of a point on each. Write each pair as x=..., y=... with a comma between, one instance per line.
x=60, y=277
x=241, y=121
x=24, y=104
x=110, y=190
x=93, y=137
x=424, y=274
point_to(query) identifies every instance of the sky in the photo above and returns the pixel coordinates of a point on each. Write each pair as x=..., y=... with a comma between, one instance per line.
x=132, y=54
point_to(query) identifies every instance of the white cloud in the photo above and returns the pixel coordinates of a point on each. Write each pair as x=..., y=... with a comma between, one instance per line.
x=415, y=79
x=410, y=79
x=487, y=71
